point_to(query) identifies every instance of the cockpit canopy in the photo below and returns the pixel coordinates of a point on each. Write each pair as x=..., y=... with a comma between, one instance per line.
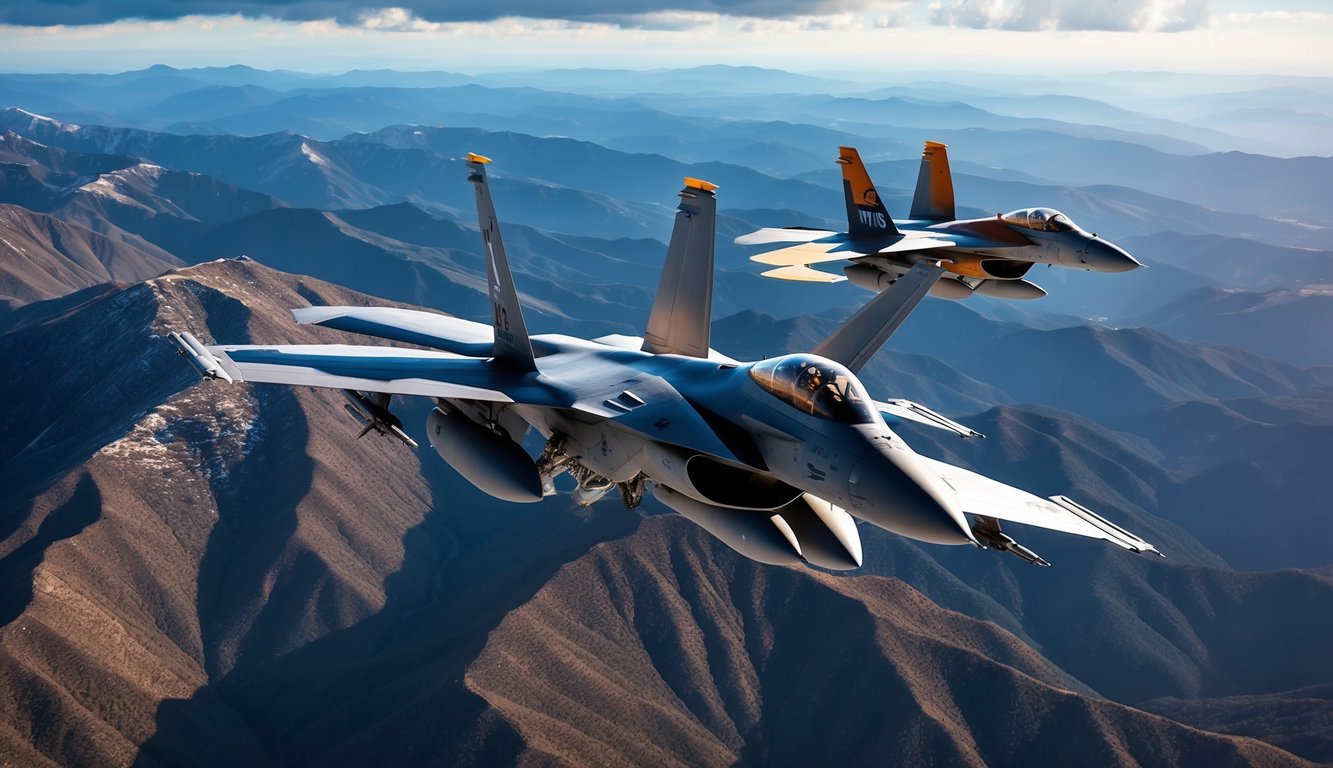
x=1042, y=219
x=817, y=386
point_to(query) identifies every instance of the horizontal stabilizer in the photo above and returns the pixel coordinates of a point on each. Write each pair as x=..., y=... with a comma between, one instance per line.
x=411, y=326
x=920, y=414
x=769, y=235
x=203, y=361
x=807, y=253
x=826, y=251
x=378, y=369
x=804, y=274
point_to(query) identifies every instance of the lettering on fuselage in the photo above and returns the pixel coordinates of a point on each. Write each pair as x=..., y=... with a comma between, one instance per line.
x=816, y=473
x=873, y=219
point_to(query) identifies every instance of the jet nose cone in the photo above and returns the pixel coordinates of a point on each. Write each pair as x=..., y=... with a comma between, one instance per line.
x=901, y=495
x=1109, y=257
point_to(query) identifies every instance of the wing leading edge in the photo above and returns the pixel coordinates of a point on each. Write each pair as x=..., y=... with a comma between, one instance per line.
x=983, y=497
x=411, y=326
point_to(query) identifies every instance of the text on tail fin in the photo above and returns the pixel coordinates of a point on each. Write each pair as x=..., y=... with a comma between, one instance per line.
x=866, y=214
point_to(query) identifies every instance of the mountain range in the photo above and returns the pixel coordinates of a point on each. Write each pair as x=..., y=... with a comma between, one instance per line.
x=205, y=574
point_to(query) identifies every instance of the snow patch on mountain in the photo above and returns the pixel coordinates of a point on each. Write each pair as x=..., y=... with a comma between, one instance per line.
x=314, y=156
x=36, y=119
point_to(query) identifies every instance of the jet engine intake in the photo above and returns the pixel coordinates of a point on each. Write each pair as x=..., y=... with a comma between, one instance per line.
x=710, y=481
x=976, y=266
x=495, y=464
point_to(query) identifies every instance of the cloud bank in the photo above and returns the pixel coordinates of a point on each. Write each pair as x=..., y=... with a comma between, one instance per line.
x=354, y=13
x=1107, y=15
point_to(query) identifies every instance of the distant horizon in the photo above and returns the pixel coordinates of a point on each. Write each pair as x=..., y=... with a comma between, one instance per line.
x=819, y=73
x=857, y=37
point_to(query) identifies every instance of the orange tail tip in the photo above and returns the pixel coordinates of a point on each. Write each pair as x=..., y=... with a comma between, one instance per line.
x=933, y=199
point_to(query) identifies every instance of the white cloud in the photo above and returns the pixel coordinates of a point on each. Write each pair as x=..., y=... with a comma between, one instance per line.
x=1086, y=15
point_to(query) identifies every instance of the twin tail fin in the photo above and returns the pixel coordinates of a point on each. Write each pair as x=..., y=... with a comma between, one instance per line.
x=512, y=346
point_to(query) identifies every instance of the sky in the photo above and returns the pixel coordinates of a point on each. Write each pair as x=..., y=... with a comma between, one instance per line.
x=850, y=36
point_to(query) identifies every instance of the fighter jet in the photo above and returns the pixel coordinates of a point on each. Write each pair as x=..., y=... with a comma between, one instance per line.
x=778, y=458
x=989, y=256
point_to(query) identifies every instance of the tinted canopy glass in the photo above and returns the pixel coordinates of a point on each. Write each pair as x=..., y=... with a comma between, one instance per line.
x=1041, y=219
x=816, y=386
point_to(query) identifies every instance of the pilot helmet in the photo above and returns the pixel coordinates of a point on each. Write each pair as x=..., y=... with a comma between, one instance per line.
x=811, y=378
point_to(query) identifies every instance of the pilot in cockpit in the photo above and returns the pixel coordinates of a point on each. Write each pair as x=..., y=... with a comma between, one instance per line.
x=811, y=378
x=820, y=396
x=817, y=387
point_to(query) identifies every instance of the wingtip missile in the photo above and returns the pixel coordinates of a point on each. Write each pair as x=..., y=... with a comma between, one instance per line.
x=1110, y=531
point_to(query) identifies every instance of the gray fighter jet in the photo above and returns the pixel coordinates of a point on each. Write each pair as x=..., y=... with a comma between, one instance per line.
x=988, y=256
x=778, y=458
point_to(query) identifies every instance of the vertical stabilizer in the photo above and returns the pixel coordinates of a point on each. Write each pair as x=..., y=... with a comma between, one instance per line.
x=511, y=334
x=866, y=214
x=866, y=331
x=682, y=311
x=933, y=200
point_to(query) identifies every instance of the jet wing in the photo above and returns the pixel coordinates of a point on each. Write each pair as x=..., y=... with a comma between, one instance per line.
x=428, y=329
x=984, y=497
x=769, y=235
x=899, y=409
x=369, y=369
x=866, y=331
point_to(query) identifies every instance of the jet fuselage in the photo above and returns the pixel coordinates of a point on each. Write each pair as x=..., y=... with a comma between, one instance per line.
x=770, y=447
